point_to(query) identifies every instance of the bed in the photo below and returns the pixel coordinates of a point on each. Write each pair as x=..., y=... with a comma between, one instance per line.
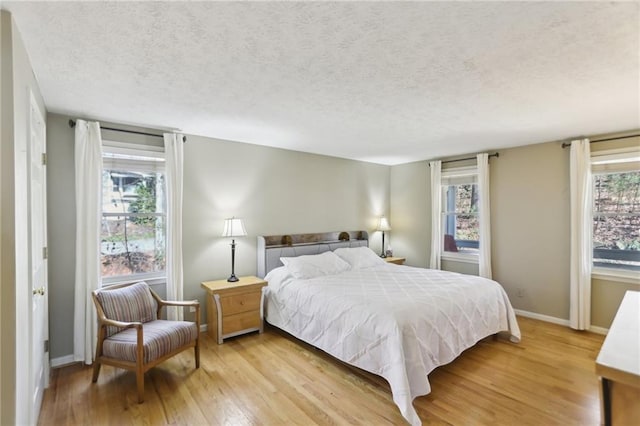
x=395, y=321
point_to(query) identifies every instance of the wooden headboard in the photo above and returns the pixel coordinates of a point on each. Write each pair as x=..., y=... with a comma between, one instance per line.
x=271, y=248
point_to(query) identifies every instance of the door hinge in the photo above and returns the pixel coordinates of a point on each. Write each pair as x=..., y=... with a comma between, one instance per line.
x=45, y=253
x=46, y=346
x=44, y=158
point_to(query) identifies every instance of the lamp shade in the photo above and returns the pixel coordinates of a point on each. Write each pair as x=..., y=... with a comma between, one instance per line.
x=233, y=227
x=383, y=225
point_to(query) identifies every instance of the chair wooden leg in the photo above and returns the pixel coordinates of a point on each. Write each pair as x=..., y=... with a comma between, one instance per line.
x=140, y=383
x=197, y=352
x=140, y=365
x=96, y=371
x=96, y=363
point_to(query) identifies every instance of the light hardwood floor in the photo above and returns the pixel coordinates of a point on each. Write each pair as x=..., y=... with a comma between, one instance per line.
x=274, y=379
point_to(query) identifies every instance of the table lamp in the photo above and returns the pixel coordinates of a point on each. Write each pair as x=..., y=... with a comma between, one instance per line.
x=383, y=226
x=233, y=227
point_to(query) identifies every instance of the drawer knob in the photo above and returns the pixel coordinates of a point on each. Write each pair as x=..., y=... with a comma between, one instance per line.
x=242, y=302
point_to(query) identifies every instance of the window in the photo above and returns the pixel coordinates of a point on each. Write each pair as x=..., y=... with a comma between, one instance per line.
x=460, y=213
x=616, y=211
x=133, y=244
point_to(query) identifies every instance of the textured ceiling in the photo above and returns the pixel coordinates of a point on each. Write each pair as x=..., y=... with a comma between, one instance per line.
x=385, y=82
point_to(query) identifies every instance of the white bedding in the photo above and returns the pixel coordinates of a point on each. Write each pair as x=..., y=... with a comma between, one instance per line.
x=395, y=321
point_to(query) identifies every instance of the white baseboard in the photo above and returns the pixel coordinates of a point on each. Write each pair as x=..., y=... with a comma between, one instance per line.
x=542, y=317
x=559, y=321
x=62, y=361
x=598, y=330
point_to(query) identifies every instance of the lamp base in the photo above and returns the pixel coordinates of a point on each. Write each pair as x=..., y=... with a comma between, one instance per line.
x=383, y=254
x=233, y=279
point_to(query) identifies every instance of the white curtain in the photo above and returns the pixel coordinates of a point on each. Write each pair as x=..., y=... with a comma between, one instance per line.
x=581, y=245
x=174, y=159
x=484, y=260
x=88, y=186
x=436, y=214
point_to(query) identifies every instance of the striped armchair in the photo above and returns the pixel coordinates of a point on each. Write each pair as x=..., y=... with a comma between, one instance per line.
x=131, y=336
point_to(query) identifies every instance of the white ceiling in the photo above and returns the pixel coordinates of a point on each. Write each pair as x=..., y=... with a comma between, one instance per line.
x=384, y=82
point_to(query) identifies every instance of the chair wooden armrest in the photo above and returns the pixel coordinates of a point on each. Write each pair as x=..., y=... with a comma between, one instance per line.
x=120, y=324
x=180, y=302
x=194, y=303
x=162, y=303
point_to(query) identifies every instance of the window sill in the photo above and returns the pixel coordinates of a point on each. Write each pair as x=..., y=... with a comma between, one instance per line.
x=151, y=281
x=616, y=275
x=462, y=258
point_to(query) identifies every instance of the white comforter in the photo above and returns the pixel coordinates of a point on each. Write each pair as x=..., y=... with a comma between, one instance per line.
x=395, y=321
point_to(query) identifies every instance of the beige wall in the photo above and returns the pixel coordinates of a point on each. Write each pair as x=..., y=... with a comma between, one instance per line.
x=410, y=220
x=606, y=296
x=17, y=82
x=275, y=191
x=529, y=229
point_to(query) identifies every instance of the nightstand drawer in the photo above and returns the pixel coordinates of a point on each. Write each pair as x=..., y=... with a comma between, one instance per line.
x=240, y=303
x=238, y=322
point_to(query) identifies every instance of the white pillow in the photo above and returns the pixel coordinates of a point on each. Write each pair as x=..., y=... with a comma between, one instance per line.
x=359, y=257
x=315, y=265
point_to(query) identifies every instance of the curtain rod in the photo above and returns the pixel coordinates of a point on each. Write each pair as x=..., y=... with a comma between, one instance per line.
x=495, y=154
x=568, y=144
x=72, y=124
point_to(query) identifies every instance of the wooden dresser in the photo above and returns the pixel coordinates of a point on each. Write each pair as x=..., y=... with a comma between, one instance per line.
x=618, y=365
x=234, y=308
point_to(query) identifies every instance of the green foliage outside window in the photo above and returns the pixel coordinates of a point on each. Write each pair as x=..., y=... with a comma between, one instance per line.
x=145, y=202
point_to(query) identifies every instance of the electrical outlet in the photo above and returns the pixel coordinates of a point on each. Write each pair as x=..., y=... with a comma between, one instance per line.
x=192, y=308
x=520, y=292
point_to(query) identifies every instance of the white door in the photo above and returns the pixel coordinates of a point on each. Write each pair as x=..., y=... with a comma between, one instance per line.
x=39, y=367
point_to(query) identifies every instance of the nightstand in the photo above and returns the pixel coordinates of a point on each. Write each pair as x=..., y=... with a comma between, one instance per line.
x=234, y=308
x=396, y=260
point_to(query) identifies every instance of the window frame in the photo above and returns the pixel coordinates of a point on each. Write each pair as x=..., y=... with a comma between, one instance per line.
x=146, y=153
x=446, y=175
x=612, y=161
